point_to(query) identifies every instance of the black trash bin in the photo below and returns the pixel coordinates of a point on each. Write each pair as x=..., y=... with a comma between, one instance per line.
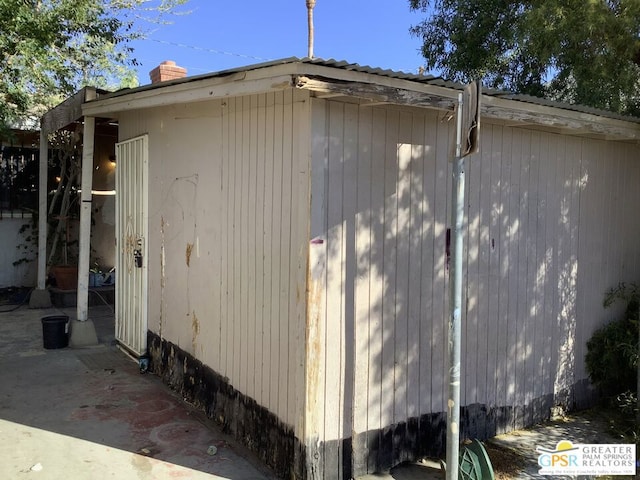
x=55, y=331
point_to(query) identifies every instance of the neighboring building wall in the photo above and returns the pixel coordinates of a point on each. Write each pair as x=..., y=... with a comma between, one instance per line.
x=14, y=242
x=549, y=228
x=228, y=250
x=18, y=198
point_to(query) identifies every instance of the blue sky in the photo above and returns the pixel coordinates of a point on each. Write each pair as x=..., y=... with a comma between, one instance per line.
x=220, y=34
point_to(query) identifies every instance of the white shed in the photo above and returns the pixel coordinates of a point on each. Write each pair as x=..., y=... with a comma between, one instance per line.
x=290, y=222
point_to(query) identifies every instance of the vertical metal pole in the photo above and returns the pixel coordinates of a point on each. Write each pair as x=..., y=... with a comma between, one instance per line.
x=455, y=304
x=310, y=6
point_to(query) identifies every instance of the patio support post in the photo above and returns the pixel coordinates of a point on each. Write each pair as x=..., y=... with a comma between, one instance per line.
x=455, y=304
x=40, y=297
x=83, y=331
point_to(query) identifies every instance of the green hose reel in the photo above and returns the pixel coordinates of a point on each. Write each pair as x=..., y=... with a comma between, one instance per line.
x=473, y=463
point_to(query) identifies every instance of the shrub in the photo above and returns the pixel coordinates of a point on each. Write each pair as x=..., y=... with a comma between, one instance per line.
x=612, y=351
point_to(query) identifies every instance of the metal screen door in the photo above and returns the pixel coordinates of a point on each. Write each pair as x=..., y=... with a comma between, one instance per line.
x=131, y=244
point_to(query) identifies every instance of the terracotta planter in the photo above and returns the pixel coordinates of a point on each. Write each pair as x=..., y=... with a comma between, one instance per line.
x=66, y=276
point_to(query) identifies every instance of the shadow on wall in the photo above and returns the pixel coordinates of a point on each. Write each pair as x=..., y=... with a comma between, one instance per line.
x=385, y=215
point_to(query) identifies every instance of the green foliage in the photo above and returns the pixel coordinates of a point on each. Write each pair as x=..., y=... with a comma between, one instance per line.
x=580, y=51
x=622, y=413
x=612, y=351
x=52, y=48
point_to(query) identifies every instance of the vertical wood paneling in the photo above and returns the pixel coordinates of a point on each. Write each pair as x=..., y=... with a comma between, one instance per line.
x=539, y=266
x=552, y=159
x=243, y=185
x=389, y=263
x=316, y=364
x=428, y=259
x=415, y=284
x=611, y=234
x=493, y=247
x=586, y=220
x=515, y=271
x=301, y=235
x=484, y=244
x=225, y=254
x=215, y=333
x=334, y=340
x=547, y=344
x=472, y=241
x=505, y=221
x=349, y=201
x=363, y=248
x=286, y=206
x=525, y=253
x=376, y=281
x=253, y=327
x=277, y=382
x=247, y=273
x=269, y=293
x=404, y=238
x=557, y=220
x=262, y=327
x=534, y=243
x=236, y=243
x=440, y=268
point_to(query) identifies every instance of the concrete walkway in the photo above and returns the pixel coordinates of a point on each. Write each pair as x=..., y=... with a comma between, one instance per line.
x=89, y=414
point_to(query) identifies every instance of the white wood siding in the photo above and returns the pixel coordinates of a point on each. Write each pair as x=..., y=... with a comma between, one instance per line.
x=551, y=226
x=229, y=207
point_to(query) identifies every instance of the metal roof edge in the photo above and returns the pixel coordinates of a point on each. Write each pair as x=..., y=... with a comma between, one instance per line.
x=388, y=73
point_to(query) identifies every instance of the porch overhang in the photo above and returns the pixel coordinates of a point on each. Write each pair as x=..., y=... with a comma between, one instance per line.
x=64, y=116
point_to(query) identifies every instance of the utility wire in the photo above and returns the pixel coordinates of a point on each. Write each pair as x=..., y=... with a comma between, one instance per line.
x=209, y=50
x=415, y=70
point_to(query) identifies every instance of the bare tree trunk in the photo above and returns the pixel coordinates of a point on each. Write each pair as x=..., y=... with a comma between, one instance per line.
x=62, y=224
x=65, y=144
x=310, y=5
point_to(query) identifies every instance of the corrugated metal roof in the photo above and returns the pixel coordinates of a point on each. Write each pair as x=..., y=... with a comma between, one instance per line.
x=441, y=82
x=425, y=79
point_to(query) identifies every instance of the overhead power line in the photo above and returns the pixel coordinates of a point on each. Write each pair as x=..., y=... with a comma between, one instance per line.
x=209, y=50
x=416, y=70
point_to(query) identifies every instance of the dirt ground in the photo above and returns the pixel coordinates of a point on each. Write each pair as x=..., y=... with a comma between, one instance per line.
x=513, y=455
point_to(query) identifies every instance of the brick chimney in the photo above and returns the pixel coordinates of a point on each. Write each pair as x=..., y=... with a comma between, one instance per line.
x=167, y=70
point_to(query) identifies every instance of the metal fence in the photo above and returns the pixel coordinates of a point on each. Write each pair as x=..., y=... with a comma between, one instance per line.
x=18, y=181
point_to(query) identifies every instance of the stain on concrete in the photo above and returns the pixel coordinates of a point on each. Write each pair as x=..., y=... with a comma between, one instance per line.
x=188, y=252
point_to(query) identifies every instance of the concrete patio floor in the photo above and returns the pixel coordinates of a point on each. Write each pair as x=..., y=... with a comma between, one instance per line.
x=89, y=413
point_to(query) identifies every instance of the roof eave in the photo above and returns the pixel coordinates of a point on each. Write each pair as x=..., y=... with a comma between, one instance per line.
x=371, y=86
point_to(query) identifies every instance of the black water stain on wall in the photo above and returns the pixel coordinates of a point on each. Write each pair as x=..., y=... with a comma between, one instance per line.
x=366, y=452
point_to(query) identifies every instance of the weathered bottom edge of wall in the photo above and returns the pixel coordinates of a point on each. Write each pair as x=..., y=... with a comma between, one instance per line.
x=425, y=436
x=365, y=452
x=238, y=415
